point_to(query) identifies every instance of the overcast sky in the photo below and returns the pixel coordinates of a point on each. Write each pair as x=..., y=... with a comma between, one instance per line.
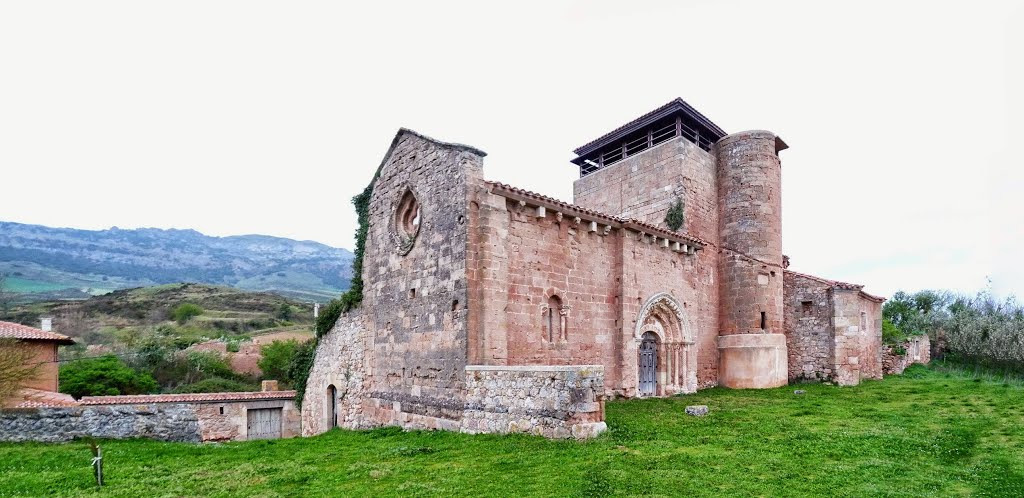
x=904, y=119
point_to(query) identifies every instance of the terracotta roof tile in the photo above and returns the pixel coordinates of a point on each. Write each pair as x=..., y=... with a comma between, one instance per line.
x=143, y=399
x=838, y=285
x=10, y=330
x=647, y=227
x=36, y=398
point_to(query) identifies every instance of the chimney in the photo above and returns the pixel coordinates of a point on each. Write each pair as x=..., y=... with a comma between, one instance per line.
x=46, y=324
x=269, y=385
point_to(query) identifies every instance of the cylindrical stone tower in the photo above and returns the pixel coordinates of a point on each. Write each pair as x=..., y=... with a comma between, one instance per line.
x=752, y=344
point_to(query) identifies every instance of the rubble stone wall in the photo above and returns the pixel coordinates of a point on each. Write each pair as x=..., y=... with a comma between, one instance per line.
x=342, y=360
x=550, y=401
x=163, y=422
x=809, y=334
x=917, y=349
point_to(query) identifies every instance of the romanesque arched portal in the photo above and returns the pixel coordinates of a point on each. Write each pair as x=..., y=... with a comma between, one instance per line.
x=663, y=318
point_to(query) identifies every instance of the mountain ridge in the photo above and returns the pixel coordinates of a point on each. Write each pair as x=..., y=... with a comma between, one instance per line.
x=96, y=261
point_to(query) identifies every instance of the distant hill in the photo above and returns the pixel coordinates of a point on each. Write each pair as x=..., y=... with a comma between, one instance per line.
x=126, y=315
x=42, y=262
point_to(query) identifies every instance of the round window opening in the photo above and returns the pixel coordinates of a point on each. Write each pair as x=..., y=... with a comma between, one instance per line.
x=407, y=222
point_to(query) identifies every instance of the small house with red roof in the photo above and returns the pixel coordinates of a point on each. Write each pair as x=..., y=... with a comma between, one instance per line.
x=43, y=343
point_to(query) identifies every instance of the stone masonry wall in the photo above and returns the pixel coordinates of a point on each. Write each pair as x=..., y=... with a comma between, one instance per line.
x=342, y=360
x=644, y=186
x=808, y=325
x=858, y=337
x=163, y=422
x=750, y=220
x=416, y=283
x=549, y=401
x=917, y=349
x=190, y=422
x=601, y=280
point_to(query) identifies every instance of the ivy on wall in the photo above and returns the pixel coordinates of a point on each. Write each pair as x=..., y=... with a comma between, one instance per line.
x=675, y=216
x=348, y=301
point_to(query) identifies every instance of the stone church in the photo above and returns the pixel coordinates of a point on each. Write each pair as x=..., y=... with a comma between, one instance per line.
x=488, y=308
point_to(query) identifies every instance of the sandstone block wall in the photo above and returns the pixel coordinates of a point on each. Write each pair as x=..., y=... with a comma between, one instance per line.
x=858, y=337
x=163, y=422
x=550, y=401
x=645, y=185
x=750, y=221
x=416, y=283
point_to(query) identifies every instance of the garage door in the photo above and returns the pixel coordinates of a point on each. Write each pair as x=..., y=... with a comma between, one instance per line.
x=264, y=423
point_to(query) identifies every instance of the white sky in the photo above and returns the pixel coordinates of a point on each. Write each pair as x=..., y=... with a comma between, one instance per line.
x=903, y=118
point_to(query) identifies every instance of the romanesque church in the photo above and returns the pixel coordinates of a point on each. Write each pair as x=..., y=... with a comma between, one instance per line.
x=488, y=308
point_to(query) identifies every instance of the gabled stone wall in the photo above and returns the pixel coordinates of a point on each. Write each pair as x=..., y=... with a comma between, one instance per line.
x=415, y=295
x=809, y=333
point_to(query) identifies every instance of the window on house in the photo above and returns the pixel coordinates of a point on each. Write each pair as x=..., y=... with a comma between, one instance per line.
x=764, y=321
x=863, y=321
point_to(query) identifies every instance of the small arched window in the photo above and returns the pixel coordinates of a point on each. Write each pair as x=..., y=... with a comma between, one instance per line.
x=332, y=406
x=555, y=319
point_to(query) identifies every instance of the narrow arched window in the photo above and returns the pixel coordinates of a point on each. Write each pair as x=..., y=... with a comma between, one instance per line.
x=555, y=320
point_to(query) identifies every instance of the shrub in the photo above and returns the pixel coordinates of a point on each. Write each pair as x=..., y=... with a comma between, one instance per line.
x=186, y=312
x=276, y=358
x=104, y=376
x=284, y=312
x=676, y=216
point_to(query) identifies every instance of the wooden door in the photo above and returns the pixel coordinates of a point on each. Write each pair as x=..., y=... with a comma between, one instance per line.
x=648, y=373
x=264, y=423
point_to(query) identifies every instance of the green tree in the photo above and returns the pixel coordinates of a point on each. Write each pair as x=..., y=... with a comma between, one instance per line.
x=186, y=312
x=277, y=357
x=284, y=312
x=104, y=376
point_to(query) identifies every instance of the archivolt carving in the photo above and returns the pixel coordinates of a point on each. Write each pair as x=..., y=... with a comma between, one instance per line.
x=664, y=315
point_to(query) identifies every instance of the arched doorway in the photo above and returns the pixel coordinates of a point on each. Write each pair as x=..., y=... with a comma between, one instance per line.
x=662, y=325
x=648, y=364
x=332, y=406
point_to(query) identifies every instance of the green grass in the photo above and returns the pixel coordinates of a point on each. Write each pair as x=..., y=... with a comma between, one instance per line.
x=926, y=433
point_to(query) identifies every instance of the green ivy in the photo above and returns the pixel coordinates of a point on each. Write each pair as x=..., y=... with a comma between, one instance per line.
x=348, y=301
x=675, y=216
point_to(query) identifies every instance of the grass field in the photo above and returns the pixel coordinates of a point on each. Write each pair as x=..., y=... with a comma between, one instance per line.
x=926, y=433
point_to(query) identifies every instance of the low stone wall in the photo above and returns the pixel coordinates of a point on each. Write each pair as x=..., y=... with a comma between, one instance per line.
x=204, y=418
x=163, y=422
x=549, y=401
x=917, y=349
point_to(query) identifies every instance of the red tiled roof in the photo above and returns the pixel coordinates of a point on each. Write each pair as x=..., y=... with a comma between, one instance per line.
x=36, y=398
x=143, y=399
x=838, y=285
x=10, y=330
x=646, y=227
